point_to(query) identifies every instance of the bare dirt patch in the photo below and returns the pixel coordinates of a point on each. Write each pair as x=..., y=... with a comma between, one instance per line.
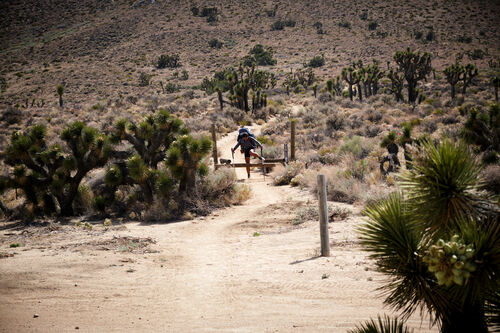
x=209, y=274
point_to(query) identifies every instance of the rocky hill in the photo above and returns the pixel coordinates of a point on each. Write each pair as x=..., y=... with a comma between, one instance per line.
x=97, y=49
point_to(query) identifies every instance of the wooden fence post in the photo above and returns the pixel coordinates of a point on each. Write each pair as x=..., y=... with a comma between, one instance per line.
x=292, y=140
x=323, y=217
x=214, y=151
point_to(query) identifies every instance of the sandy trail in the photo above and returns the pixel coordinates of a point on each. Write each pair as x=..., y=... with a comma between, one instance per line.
x=245, y=268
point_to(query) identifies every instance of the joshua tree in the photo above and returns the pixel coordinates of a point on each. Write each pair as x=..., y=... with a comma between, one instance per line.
x=396, y=84
x=350, y=75
x=60, y=92
x=439, y=240
x=415, y=67
x=184, y=160
x=300, y=78
x=334, y=87
x=240, y=83
x=454, y=75
x=495, y=82
x=361, y=77
x=372, y=75
x=469, y=73
x=152, y=137
x=151, y=140
x=315, y=90
x=50, y=176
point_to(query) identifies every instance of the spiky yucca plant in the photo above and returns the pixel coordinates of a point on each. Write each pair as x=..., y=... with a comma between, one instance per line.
x=382, y=325
x=438, y=241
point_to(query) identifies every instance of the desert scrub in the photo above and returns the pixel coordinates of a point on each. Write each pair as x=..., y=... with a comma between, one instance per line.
x=287, y=174
x=221, y=188
x=491, y=176
x=216, y=190
x=144, y=79
x=310, y=213
x=215, y=43
x=340, y=188
x=272, y=151
x=356, y=145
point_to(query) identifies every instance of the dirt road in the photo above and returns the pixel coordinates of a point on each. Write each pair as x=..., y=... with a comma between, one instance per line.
x=246, y=268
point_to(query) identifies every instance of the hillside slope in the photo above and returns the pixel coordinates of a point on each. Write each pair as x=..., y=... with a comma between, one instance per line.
x=97, y=49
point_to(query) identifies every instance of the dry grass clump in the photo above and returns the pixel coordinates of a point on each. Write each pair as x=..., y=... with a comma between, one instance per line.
x=273, y=128
x=287, y=175
x=340, y=187
x=221, y=188
x=491, y=176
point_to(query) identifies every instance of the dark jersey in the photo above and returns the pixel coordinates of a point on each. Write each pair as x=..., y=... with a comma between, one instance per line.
x=250, y=143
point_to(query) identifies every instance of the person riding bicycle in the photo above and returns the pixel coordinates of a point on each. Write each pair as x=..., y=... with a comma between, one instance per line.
x=248, y=143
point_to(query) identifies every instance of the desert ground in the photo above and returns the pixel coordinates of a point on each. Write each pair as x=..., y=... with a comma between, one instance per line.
x=245, y=268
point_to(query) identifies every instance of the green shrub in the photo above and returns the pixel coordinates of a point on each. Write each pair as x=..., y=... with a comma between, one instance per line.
x=3, y=84
x=277, y=25
x=208, y=11
x=372, y=25
x=430, y=36
x=316, y=61
x=476, y=54
x=221, y=188
x=464, y=39
x=171, y=88
x=215, y=43
x=357, y=146
x=319, y=28
x=345, y=24
x=168, y=61
x=144, y=79
x=262, y=56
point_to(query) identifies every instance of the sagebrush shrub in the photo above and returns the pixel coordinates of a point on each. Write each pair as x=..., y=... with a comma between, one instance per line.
x=285, y=175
